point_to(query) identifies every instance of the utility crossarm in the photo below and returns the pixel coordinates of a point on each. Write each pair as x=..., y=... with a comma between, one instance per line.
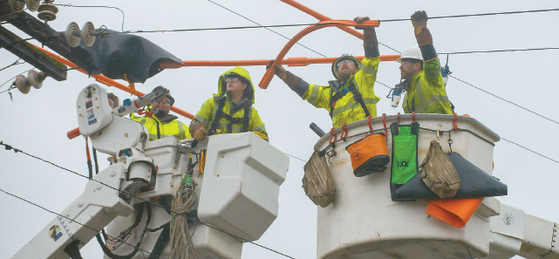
x=46, y=35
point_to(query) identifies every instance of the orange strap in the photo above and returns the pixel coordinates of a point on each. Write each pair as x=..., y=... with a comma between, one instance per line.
x=454, y=124
x=344, y=132
x=334, y=135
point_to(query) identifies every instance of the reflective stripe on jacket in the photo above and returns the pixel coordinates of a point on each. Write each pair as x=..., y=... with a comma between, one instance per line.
x=427, y=93
x=158, y=129
x=346, y=109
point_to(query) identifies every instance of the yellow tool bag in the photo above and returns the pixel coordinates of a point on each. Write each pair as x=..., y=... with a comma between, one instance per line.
x=318, y=182
x=369, y=155
x=438, y=172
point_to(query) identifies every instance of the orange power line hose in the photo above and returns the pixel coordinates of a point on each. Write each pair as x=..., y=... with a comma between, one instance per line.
x=321, y=17
x=271, y=71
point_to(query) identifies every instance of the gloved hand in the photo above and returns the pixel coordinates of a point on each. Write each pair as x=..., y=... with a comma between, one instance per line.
x=369, y=35
x=419, y=21
x=280, y=71
x=198, y=131
x=261, y=135
x=360, y=20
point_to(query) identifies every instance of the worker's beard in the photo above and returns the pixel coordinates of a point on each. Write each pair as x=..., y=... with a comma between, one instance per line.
x=160, y=114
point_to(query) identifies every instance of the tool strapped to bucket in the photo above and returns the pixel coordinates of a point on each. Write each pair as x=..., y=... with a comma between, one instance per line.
x=184, y=204
x=369, y=155
x=318, y=182
x=438, y=172
x=404, y=154
x=339, y=93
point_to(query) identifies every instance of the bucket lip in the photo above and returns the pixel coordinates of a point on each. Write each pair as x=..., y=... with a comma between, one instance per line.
x=406, y=119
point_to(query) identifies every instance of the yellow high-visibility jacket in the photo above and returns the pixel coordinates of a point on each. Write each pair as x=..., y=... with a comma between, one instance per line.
x=234, y=116
x=346, y=109
x=427, y=93
x=157, y=129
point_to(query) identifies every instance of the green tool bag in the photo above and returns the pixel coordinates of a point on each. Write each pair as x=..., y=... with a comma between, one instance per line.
x=404, y=154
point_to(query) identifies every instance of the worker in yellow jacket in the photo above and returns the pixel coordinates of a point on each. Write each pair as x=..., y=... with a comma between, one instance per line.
x=420, y=71
x=231, y=110
x=351, y=97
x=160, y=123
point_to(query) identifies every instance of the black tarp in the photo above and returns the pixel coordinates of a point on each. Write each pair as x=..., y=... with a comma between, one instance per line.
x=116, y=53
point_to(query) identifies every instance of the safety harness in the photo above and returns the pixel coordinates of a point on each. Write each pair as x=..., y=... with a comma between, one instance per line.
x=220, y=114
x=338, y=93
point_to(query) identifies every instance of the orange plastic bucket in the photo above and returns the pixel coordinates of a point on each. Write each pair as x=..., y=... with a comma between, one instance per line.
x=369, y=155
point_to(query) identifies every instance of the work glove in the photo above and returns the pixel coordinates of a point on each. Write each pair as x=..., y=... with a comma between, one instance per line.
x=290, y=79
x=419, y=21
x=369, y=35
x=198, y=131
x=280, y=71
x=360, y=20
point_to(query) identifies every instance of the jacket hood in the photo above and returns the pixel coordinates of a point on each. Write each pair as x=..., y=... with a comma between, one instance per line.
x=249, y=91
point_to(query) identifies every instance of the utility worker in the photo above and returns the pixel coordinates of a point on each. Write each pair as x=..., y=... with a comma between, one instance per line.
x=351, y=97
x=230, y=110
x=421, y=71
x=160, y=123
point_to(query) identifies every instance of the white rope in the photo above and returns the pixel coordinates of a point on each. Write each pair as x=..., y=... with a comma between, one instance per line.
x=181, y=241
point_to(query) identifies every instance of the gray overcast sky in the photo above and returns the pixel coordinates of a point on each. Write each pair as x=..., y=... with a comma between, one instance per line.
x=37, y=122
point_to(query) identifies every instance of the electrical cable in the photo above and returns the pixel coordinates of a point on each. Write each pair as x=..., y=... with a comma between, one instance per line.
x=537, y=153
x=9, y=147
x=505, y=100
x=13, y=64
x=285, y=37
x=58, y=214
x=302, y=160
x=476, y=15
x=96, y=6
x=496, y=51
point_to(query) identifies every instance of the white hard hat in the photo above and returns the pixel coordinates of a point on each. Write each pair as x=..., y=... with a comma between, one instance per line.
x=412, y=52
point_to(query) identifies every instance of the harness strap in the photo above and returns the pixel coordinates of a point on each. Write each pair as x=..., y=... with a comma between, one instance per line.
x=338, y=94
x=358, y=98
x=220, y=114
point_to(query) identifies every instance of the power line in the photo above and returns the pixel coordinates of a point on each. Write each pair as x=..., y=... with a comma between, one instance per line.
x=302, y=160
x=496, y=51
x=537, y=153
x=9, y=147
x=477, y=15
x=246, y=18
x=96, y=6
x=505, y=100
x=63, y=216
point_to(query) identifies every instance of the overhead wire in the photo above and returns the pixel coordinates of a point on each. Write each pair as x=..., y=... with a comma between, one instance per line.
x=63, y=216
x=246, y=18
x=505, y=100
x=96, y=6
x=496, y=51
x=477, y=15
x=9, y=147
